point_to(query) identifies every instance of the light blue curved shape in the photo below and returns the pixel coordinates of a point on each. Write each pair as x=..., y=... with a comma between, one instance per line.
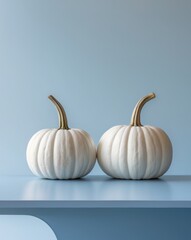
x=22, y=227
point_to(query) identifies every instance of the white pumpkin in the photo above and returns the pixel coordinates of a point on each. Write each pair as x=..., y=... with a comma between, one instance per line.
x=135, y=151
x=61, y=153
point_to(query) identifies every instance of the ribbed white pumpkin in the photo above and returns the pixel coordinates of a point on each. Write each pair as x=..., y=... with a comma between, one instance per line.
x=61, y=153
x=135, y=151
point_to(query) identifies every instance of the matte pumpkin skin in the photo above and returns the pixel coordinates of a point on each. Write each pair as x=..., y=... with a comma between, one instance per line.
x=61, y=154
x=131, y=152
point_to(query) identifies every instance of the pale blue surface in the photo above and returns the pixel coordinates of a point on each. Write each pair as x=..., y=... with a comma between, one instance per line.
x=99, y=207
x=112, y=224
x=95, y=192
x=24, y=227
x=98, y=58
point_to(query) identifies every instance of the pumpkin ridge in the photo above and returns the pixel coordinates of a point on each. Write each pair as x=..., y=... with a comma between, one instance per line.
x=105, y=164
x=139, y=149
x=73, y=161
x=41, y=162
x=145, y=151
x=163, y=135
x=135, y=159
x=118, y=156
x=137, y=144
x=37, y=152
x=85, y=168
x=154, y=136
x=127, y=143
x=89, y=146
x=49, y=159
x=162, y=155
x=68, y=140
x=53, y=145
x=29, y=149
x=85, y=147
x=146, y=147
x=123, y=138
x=128, y=151
x=161, y=150
x=111, y=148
x=48, y=135
x=37, y=170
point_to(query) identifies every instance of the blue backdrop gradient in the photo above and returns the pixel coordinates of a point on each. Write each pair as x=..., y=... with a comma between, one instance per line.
x=98, y=57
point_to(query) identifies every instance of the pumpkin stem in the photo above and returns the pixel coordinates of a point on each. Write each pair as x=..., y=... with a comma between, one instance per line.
x=63, y=123
x=135, y=119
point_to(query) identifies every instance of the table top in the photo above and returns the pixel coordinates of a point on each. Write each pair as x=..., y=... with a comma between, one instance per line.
x=95, y=192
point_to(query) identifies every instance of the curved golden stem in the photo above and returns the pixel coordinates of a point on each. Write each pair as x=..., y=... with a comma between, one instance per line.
x=61, y=113
x=135, y=119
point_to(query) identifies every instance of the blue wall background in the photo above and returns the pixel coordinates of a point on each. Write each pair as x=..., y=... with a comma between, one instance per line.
x=98, y=57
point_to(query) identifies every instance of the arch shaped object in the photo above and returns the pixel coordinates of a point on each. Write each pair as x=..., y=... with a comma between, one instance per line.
x=22, y=227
